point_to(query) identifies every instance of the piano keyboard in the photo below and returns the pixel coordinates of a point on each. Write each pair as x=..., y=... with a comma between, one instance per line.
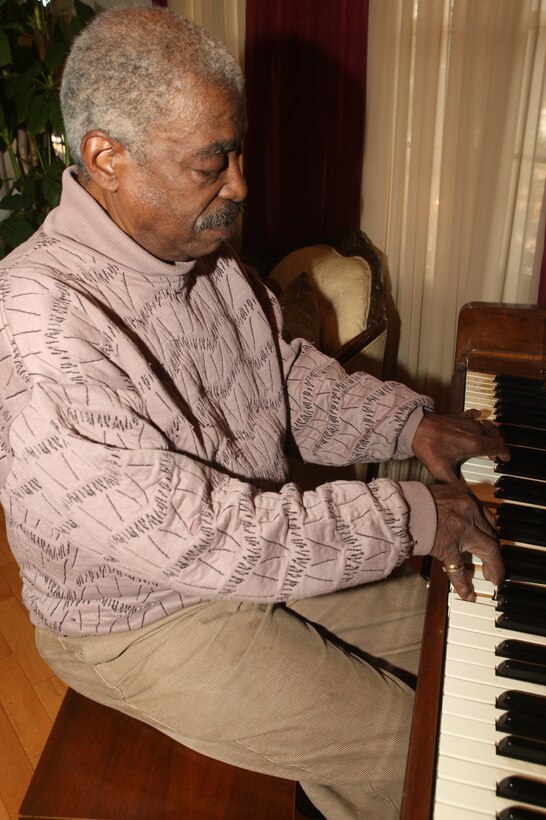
x=480, y=716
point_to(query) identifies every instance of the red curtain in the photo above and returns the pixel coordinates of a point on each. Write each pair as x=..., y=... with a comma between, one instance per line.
x=305, y=64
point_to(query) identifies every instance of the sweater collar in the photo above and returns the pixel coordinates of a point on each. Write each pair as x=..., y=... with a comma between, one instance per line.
x=80, y=217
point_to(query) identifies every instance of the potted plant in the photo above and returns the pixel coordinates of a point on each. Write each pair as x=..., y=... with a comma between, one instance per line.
x=34, y=42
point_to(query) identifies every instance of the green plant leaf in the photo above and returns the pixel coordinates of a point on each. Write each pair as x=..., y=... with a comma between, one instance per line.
x=52, y=190
x=5, y=50
x=17, y=27
x=22, y=105
x=14, y=201
x=55, y=56
x=15, y=229
x=37, y=114
x=55, y=116
x=23, y=81
x=27, y=186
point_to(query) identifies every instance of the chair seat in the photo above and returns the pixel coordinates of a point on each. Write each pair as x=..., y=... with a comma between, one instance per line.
x=99, y=764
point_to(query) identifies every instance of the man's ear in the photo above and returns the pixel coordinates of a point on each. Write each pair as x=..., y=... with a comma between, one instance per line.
x=101, y=154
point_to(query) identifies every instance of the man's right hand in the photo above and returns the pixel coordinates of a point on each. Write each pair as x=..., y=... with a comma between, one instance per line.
x=465, y=526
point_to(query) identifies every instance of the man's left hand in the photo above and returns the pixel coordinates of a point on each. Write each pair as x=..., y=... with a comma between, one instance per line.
x=441, y=443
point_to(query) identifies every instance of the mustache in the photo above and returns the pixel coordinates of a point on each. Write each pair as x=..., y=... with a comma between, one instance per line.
x=222, y=218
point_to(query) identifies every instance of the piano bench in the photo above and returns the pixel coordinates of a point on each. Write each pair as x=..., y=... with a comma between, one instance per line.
x=100, y=764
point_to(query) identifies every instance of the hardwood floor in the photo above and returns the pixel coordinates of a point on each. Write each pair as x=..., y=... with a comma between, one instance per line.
x=30, y=695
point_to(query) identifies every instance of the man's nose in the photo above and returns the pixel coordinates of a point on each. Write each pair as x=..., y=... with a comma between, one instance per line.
x=234, y=187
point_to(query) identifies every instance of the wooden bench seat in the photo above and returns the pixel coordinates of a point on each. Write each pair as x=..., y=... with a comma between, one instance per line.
x=99, y=764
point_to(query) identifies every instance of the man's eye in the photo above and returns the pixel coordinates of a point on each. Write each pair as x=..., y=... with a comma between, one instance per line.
x=220, y=163
x=209, y=175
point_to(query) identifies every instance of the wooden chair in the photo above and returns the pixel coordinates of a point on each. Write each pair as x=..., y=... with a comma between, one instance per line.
x=340, y=306
x=346, y=273
x=99, y=764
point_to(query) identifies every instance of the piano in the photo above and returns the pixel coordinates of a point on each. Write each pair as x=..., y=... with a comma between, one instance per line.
x=478, y=741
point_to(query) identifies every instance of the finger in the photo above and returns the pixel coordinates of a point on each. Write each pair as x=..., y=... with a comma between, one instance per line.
x=485, y=523
x=493, y=569
x=488, y=550
x=490, y=516
x=495, y=445
x=471, y=414
x=462, y=585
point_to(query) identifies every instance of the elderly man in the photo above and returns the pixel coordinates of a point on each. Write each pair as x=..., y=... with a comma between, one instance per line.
x=171, y=569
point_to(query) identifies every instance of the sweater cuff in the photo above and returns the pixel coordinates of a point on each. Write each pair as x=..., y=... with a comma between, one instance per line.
x=423, y=518
x=405, y=439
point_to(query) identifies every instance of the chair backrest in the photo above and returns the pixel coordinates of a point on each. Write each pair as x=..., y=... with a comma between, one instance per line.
x=341, y=280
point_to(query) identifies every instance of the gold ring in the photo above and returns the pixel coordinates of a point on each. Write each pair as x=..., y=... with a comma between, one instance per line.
x=452, y=568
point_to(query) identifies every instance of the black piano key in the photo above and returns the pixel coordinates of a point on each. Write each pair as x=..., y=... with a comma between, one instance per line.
x=520, y=383
x=515, y=512
x=527, y=623
x=522, y=651
x=520, y=813
x=523, y=400
x=517, y=701
x=522, y=725
x=516, y=436
x=523, y=384
x=533, y=751
x=525, y=524
x=517, y=396
x=527, y=516
x=507, y=412
x=521, y=489
x=520, y=404
x=520, y=386
x=525, y=789
x=520, y=670
x=524, y=462
x=523, y=535
x=523, y=564
x=513, y=594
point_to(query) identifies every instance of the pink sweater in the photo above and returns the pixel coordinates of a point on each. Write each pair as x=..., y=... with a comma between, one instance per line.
x=144, y=411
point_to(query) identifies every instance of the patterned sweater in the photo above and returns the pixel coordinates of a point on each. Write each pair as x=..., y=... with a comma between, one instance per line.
x=145, y=408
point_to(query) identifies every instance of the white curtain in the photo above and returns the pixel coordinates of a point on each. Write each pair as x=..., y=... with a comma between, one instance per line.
x=223, y=18
x=454, y=167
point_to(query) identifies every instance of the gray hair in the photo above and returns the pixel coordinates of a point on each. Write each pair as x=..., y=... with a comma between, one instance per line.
x=127, y=67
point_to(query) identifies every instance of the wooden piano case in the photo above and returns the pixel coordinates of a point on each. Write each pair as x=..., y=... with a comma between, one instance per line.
x=491, y=338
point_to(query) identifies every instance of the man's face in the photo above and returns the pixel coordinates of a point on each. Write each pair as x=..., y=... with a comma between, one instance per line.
x=182, y=201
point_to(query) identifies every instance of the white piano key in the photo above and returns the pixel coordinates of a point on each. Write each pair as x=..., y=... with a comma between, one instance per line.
x=468, y=729
x=481, y=618
x=468, y=769
x=480, y=467
x=471, y=654
x=485, y=776
x=485, y=676
x=444, y=812
x=523, y=545
x=472, y=690
x=483, y=754
x=487, y=641
x=472, y=798
x=463, y=638
x=486, y=712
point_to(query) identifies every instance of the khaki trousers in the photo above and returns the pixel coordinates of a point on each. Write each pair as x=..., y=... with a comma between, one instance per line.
x=312, y=691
